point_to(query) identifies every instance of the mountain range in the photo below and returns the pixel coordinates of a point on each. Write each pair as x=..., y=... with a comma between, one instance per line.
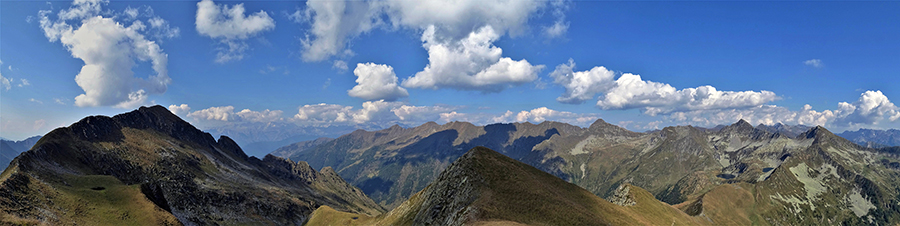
x=873, y=138
x=10, y=149
x=149, y=167
x=781, y=179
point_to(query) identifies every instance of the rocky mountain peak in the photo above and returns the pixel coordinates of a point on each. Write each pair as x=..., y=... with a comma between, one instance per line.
x=600, y=124
x=816, y=132
x=740, y=125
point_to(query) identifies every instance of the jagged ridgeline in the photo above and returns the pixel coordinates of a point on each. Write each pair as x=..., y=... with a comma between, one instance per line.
x=736, y=174
x=484, y=187
x=149, y=167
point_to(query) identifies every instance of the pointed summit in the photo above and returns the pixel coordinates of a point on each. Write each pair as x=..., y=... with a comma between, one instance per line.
x=600, y=123
x=816, y=132
x=605, y=129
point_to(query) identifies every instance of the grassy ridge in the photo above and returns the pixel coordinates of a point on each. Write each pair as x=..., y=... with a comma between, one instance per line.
x=513, y=193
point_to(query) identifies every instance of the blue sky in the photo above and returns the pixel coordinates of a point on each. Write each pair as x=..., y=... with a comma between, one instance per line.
x=371, y=64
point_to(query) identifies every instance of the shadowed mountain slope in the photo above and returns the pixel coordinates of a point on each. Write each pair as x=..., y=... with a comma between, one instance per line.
x=150, y=167
x=10, y=149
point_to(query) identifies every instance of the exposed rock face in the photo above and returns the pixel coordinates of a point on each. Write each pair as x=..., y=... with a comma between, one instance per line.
x=622, y=196
x=152, y=155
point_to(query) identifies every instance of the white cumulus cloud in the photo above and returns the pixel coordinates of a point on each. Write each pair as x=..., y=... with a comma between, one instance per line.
x=420, y=113
x=472, y=63
x=582, y=85
x=335, y=23
x=629, y=91
x=227, y=114
x=384, y=114
x=182, y=109
x=224, y=113
x=871, y=109
x=376, y=81
x=541, y=114
x=231, y=27
x=109, y=50
x=260, y=116
x=654, y=98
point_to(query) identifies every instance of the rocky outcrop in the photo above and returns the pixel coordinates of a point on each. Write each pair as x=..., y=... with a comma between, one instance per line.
x=622, y=196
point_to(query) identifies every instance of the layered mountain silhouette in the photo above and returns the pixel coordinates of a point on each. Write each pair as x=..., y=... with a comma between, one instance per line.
x=10, y=149
x=782, y=177
x=873, y=138
x=484, y=187
x=149, y=167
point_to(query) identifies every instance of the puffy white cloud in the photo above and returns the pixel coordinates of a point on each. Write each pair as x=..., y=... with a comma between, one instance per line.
x=472, y=63
x=109, y=50
x=629, y=91
x=654, y=98
x=376, y=81
x=334, y=23
x=182, y=109
x=227, y=114
x=323, y=113
x=541, y=114
x=224, y=113
x=231, y=27
x=260, y=116
x=582, y=85
x=378, y=113
x=421, y=113
x=870, y=109
x=816, y=63
x=82, y=9
x=456, y=19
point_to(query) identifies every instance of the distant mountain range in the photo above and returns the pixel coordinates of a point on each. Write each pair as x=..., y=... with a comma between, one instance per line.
x=780, y=176
x=10, y=149
x=873, y=138
x=259, y=139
